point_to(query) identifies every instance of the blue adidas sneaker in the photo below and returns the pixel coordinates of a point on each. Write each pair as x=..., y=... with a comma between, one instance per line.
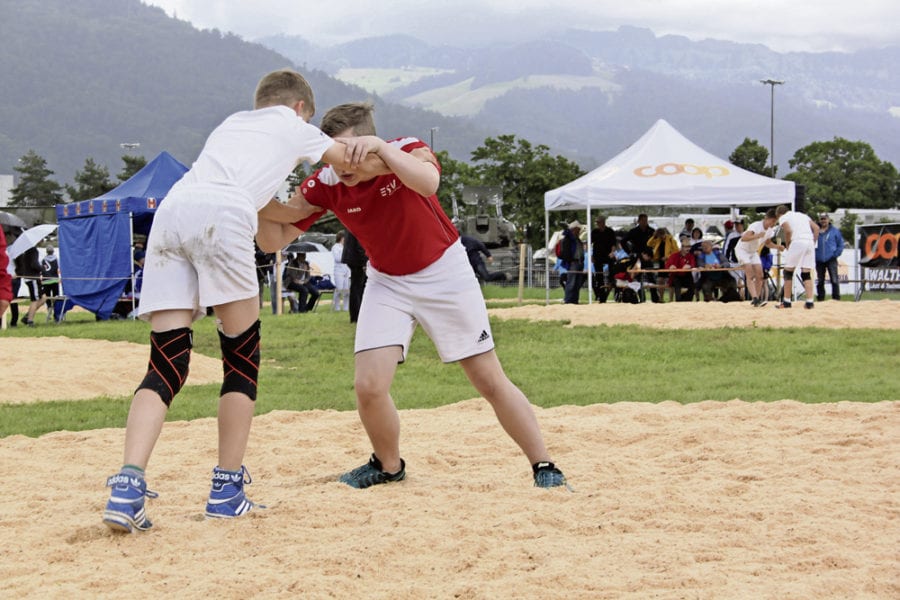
x=125, y=507
x=226, y=498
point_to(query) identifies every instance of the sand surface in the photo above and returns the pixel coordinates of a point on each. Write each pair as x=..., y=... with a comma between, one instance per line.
x=709, y=500
x=73, y=369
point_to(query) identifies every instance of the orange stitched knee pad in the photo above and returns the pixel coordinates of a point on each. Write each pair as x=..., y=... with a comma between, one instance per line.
x=170, y=357
x=240, y=361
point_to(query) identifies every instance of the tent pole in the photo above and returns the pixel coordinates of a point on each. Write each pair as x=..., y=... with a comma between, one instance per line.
x=587, y=261
x=546, y=258
x=278, y=310
x=131, y=245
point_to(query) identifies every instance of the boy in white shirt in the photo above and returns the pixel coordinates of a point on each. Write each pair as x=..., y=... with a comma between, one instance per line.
x=800, y=236
x=201, y=253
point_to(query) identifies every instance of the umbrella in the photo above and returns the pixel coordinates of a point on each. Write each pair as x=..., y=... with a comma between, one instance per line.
x=302, y=247
x=11, y=220
x=29, y=238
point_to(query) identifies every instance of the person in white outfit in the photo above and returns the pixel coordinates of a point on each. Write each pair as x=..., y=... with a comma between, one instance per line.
x=758, y=234
x=800, y=236
x=341, y=276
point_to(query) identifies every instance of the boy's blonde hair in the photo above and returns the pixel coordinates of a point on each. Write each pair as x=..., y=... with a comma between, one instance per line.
x=284, y=87
x=355, y=115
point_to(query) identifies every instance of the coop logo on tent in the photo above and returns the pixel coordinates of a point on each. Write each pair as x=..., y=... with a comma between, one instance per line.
x=151, y=202
x=667, y=169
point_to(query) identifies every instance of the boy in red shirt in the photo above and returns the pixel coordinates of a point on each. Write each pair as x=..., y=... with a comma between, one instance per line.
x=418, y=273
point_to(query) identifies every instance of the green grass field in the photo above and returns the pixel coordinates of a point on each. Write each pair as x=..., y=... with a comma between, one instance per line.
x=308, y=364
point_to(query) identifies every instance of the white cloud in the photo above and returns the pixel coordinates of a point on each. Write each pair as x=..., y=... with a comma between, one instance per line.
x=811, y=25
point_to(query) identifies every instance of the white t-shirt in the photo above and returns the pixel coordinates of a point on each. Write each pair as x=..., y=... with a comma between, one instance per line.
x=255, y=150
x=754, y=245
x=799, y=224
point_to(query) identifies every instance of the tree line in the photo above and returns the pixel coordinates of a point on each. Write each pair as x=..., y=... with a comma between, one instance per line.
x=837, y=174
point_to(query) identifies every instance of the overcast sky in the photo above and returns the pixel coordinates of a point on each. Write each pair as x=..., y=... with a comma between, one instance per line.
x=783, y=25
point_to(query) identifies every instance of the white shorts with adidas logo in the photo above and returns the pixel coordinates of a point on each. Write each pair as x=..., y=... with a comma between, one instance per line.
x=444, y=298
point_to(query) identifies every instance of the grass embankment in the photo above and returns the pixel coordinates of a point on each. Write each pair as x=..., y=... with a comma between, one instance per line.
x=308, y=364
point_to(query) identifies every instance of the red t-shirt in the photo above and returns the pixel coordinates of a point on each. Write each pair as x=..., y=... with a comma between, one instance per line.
x=402, y=231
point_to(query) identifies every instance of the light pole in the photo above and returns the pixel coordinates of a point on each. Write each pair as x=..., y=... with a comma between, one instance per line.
x=772, y=83
x=433, y=129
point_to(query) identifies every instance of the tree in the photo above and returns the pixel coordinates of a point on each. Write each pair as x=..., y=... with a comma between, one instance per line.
x=91, y=181
x=133, y=164
x=848, y=226
x=752, y=156
x=35, y=186
x=845, y=174
x=455, y=175
x=524, y=173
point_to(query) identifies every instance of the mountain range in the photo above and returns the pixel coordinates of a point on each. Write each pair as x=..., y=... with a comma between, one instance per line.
x=588, y=94
x=81, y=77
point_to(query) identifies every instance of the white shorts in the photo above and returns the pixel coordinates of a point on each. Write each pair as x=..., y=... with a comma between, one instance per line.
x=444, y=297
x=200, y=251
x=801, y=254
x=747, y=258
x=341, y=277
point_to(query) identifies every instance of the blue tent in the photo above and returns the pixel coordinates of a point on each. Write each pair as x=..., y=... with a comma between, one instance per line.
x=95, y=235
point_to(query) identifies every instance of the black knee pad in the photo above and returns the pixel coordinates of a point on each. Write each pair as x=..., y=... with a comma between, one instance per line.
x=788, y=274
x=240, y=362
x=170, y=357
x=805, y=276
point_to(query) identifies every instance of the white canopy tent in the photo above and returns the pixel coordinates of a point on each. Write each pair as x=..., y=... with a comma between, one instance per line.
x=664, y=169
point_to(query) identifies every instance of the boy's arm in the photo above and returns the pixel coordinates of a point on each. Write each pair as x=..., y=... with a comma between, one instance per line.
x=814, y=227
x=280, y=212
x=356, y=154
x=417, y=169
x=272, y=236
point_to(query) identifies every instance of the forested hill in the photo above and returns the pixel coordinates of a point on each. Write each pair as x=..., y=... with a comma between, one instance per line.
x=80, y=77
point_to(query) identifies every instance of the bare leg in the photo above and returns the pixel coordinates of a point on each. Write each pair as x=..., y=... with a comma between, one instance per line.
x=750, y=277
x=148, y=412
x=34, y=306
x=235, y=418
x=375, y=371
x=235, y=409
x=808, y=287
x=788, y=289
x=509, y=403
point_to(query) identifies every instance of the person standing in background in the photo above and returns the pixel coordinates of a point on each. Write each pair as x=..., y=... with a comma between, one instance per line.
x=50, y=277
x=828, y=249
x=573, y=261
x=355, y=257
x=341, y=275
x=28, y=267
x=5, y=279
x=603, y=246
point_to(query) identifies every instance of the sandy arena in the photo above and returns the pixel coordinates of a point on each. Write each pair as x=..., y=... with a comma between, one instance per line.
x=709, y=500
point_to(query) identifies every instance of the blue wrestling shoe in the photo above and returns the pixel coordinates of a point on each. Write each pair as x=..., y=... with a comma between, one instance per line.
x=226, y=498
x=125, y=507
x=546, y=475
x=371, y=474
